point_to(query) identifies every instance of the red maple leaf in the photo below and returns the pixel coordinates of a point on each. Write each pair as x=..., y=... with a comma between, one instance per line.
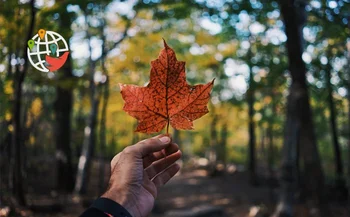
x=167, y=98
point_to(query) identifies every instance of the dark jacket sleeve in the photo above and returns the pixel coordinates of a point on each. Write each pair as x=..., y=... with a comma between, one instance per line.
x=103, y=207
x=93, y=212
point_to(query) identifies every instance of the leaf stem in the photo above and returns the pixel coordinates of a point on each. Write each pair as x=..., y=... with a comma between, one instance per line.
x=167, y=128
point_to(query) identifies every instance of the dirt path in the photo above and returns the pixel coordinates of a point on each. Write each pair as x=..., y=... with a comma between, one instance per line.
x=233, y=193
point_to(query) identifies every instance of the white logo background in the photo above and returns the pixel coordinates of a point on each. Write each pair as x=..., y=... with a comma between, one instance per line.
x=37, y=54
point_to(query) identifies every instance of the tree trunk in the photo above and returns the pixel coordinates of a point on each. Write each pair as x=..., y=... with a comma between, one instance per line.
x=270, y=160
x=262, y=144
x=223, y=143
x=251, y=125
x=348, y=96
x=63, y=109
x=81, y=181
x=213, y=156
x=87, y=151
x=103, y=135
x=17, y=140
x=84, y=164
x=289, y=152
x=340, y=184
x=271, y=149
x=17, y=143
x=103, y=120
x=89, y=131
x=213, y=133
x=89, y=138
x=299, y=129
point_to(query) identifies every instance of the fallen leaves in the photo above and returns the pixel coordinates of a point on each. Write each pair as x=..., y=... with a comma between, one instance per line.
x=167, y=99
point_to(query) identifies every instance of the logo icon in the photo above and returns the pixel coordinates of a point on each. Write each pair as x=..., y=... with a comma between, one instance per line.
x=47, y=51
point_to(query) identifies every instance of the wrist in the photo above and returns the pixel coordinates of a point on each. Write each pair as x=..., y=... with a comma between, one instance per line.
x=121, y=198
x=110, y=207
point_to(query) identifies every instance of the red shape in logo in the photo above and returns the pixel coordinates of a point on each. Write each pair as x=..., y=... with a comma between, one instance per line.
x=56, y=63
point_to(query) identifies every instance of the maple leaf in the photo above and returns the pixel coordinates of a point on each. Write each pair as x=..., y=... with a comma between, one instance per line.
x=167, y=98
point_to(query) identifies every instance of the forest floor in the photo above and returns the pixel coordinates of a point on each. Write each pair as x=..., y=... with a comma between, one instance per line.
x=189, y=191
x=196, y=190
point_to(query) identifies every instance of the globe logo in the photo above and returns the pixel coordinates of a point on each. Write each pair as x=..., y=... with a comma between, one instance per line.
x=47, y=51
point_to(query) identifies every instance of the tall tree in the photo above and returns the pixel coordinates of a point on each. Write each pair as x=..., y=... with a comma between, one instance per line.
x=213, y=153
x=63, y=109
x=90, y=130
x=333, y=119
x=251, y=123
x=103, y=112
x=270, y=136
x=333, y=21
x=63, y=112
x=348, y=99
x=94, y=93
x=17, y=136
x=299, y=129
x=223, y=143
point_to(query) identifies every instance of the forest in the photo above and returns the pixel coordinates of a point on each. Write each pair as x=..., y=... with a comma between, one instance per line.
x=276, y=140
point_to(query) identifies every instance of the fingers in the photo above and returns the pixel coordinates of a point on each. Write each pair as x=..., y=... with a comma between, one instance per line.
x=151, y=145
x=160, y=165
x=152, y=157
x=165, y=176
x=150, y=148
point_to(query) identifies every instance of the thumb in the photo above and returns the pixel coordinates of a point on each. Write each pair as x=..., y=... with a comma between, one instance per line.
x=154, y=144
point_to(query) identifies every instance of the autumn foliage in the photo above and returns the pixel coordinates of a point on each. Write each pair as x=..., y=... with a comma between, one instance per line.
x=168, y=98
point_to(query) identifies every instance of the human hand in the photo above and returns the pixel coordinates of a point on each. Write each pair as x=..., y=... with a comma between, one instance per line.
x=139, y=170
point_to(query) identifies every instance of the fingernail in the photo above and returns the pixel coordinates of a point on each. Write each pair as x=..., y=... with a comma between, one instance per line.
x=165, y=139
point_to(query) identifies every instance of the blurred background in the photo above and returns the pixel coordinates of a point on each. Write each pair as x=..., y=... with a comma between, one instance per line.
x=275, y=142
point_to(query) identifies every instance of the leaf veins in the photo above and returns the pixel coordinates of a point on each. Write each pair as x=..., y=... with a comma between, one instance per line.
x=167, y=99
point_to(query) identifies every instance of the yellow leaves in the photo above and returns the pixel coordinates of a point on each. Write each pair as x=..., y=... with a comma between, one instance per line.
x=265, y=125
x=227, y=49
x=327, y=113
x=146, y=14
x=8, y=116
x=36, y=107
x=203, y=39
x=8, y=88
x=257, y=106
x=331, y=41
x=34, y=111
x=31, y=140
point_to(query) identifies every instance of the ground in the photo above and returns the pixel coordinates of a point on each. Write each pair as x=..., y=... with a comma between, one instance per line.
x=195, y=188
x=190, y=190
